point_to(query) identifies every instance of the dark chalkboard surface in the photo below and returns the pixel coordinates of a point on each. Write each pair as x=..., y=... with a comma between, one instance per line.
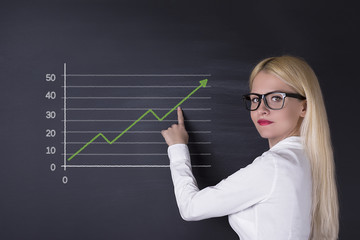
x=73, y=69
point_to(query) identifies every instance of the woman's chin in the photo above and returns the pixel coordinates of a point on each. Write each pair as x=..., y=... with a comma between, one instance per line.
x=265, y=134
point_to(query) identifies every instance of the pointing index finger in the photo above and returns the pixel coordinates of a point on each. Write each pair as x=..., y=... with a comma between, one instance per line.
x=180, y=116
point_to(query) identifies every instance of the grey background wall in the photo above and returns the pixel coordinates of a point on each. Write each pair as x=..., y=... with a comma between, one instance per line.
x=223, y=39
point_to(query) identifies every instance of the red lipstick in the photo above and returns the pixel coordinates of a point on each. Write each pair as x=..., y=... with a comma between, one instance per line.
x=264, y=122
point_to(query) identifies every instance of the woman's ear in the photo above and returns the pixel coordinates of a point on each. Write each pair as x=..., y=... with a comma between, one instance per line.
x=303, y=110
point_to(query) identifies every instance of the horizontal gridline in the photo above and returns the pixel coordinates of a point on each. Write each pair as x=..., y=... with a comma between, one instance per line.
x=119, y=131
x=131, y=154
x=118, y=86
x=138, y=75
x=125, y=166
x=134, y=98
x=74, y=143
x=117, y=120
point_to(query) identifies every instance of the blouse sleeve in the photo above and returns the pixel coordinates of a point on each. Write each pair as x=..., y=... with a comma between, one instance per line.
x=244, y=188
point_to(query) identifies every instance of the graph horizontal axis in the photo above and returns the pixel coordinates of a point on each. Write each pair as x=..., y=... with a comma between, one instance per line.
x=128, y=166
x=133, y=109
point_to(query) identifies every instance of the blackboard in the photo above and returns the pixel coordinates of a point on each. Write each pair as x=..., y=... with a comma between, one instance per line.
x=73, y=69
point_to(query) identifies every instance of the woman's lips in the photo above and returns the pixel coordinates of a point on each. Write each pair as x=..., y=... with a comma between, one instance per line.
x=264, y=122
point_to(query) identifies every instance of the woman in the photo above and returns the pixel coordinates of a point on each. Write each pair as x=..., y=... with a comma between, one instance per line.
x=289, y=192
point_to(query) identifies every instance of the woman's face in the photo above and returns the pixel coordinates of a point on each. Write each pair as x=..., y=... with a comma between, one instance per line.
x=284, y=122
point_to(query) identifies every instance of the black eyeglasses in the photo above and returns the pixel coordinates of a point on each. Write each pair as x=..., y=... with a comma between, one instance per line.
x=272, y=100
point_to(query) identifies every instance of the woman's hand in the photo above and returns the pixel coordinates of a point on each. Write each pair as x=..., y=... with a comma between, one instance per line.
x=177, y=132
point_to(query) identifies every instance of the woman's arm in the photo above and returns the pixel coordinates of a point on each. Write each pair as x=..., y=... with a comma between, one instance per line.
x=239, y=191
x=246, y=187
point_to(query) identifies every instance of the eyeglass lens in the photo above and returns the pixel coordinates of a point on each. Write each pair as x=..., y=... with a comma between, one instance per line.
x=273, y=100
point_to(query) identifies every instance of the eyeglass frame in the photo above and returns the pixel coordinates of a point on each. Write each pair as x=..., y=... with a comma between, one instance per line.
x=263, y=96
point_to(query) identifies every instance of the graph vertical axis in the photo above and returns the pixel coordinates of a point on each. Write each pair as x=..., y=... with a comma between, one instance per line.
x=65, y=117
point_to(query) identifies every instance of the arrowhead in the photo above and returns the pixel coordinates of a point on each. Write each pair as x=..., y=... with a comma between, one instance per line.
x=203, y=82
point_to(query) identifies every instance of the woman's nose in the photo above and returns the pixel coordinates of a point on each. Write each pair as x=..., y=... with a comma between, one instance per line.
x=262, y=108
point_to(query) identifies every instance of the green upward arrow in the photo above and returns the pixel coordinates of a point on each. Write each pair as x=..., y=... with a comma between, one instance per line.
x=202, y=84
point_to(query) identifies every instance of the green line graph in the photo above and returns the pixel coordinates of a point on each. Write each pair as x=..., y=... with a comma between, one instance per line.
x=202, y=84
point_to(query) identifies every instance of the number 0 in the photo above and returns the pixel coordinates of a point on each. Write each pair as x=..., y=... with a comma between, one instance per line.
x=52, y=167
x=65, y=179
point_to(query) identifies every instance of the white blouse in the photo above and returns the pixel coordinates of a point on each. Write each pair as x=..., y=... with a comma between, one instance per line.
x=268, y=199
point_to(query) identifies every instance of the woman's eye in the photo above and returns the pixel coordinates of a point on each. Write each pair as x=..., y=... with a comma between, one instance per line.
x=255, y=100
x=276, y=99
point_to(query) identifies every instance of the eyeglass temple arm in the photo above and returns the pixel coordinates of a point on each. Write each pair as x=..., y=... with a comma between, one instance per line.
x=294, y=95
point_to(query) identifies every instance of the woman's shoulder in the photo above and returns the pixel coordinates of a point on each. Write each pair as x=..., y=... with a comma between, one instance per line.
x=287, y=154
x=288, y=151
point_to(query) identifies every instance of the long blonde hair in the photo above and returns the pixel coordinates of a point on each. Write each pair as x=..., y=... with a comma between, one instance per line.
x=315, y=134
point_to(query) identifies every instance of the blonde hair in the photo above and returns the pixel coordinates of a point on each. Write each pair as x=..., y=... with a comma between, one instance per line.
x=316, y=139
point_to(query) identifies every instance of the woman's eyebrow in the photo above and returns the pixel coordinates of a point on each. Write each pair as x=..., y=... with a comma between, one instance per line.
x=270, y=91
